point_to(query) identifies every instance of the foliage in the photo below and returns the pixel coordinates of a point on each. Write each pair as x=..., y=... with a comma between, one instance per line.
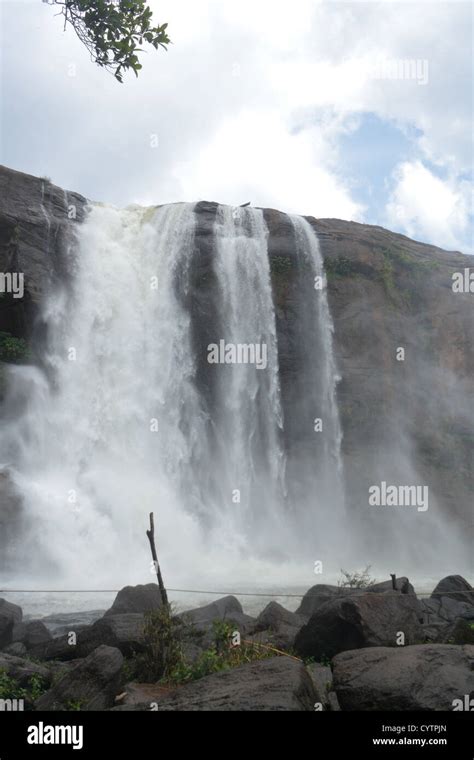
x=10, y=688
x=13, y=349
x=164, y=658
x=163, y=635
x=222, y=655
x=340, y=266
x=113, y=31
x=463, y=633
x=280, y=264
x=359, y=579
x=387, y=277
x=323, y=660
x=74, y=705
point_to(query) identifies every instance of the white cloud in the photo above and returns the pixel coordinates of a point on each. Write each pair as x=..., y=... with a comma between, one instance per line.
x=253, y=156
x=429, y=208
x=249, y=102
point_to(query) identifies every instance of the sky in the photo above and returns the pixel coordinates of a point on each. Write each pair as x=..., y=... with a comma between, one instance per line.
x=355, y=110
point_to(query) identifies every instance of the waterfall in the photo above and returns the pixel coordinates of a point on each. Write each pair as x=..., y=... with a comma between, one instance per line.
x=115, y=423
x=110, y=428
x=314, y=466
x=248, y=414
x=322, y=361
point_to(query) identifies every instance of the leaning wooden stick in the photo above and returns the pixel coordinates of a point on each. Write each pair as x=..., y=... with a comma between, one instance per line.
x=151, y=537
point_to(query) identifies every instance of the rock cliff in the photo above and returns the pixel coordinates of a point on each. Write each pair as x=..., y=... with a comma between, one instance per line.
x=386, y=292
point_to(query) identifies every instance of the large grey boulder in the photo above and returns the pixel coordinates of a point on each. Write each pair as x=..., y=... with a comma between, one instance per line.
x=91, y=684
x=60, y=623
x=402, y=584
x=17, y=648
x=32, y=634
x=279, y=624
x=124, y=632
x=228, y=608
x=59, y=648
x=277, y=684
x=420, y=677
x=459, y=632
x=10, y=615
x=321, y=676
x=318, y=595
x=445, y=609
x=22, y=670
x=366, y=620
x=455, y=587
x=137, y=599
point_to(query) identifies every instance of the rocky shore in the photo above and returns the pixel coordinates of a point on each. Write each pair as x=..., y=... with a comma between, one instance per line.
x=372, y=648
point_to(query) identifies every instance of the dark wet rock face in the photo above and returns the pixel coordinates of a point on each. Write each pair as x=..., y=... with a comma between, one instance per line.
x=402, y=421
x=136, y=599
x=366, y=620
x=426, y=677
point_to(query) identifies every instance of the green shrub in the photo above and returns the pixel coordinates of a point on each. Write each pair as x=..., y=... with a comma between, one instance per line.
x=222, y=655
x=164, y=660
x=164, y=633
x=280, y=264
x=359, y=579
x=10, y=688
x=340, y=266
x=13, y=349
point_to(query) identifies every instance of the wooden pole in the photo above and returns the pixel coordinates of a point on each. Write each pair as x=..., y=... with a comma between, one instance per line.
x=151, y=537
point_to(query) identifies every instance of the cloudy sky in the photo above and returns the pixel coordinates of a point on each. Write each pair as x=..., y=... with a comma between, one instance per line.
x=357, y=110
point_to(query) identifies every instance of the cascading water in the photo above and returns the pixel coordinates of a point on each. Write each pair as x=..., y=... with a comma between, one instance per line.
x=323, y=364
x=248, y=414
x=110, y=437
x=114, y=425
x=312, y=426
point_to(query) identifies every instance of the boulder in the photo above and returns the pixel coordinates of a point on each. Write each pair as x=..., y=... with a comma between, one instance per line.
x=402, y=584
x=58, y=648
x=124, y=632
x=91, y=684
x=18, y=649
x=317, y=596
x=32, y=634
x=274, y=616
x=444, y=609
x=366, y=620
x=10, y=615
x=279, y=624
x=59, y=623
x=135, y=693
x=321, y=676
x=420, y=677
x=459, y=632
x=276, y=684
x=228, y=608
x=22, y=670
x=456, y=588
x=136, y=599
